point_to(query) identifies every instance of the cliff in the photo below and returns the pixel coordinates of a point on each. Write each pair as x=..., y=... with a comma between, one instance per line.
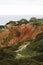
x=17, y=31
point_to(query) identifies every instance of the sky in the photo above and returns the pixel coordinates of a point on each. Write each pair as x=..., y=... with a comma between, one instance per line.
x=18, y=9
x=34, y=2
x=21, y=7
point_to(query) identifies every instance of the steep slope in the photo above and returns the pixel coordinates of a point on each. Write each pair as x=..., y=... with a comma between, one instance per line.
x=33, y=52
x=18, y=31
x=21, y=42
x=23, y=53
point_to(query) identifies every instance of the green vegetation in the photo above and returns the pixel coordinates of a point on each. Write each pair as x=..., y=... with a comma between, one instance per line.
x=14, y=23
x=22, y=21
x=23, y=53
x=36, y=21
x=7, y=39
x=27, y=52
x=33, y=21
x=1, y=30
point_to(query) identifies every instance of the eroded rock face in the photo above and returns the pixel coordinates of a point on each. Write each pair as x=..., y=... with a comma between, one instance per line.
x=14, y=34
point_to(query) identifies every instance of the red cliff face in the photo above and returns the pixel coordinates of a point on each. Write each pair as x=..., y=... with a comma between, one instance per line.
x=20, y=33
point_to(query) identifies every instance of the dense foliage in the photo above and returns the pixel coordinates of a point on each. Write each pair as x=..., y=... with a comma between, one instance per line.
x=27, y=52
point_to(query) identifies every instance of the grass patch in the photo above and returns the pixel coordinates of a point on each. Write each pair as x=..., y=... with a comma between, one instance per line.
x=1, y=30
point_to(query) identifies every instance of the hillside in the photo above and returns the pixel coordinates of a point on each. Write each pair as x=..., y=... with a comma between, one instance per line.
x=21, y=42
x=17, y=31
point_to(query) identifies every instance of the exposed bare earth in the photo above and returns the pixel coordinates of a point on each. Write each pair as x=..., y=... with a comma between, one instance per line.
x=25, y=31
